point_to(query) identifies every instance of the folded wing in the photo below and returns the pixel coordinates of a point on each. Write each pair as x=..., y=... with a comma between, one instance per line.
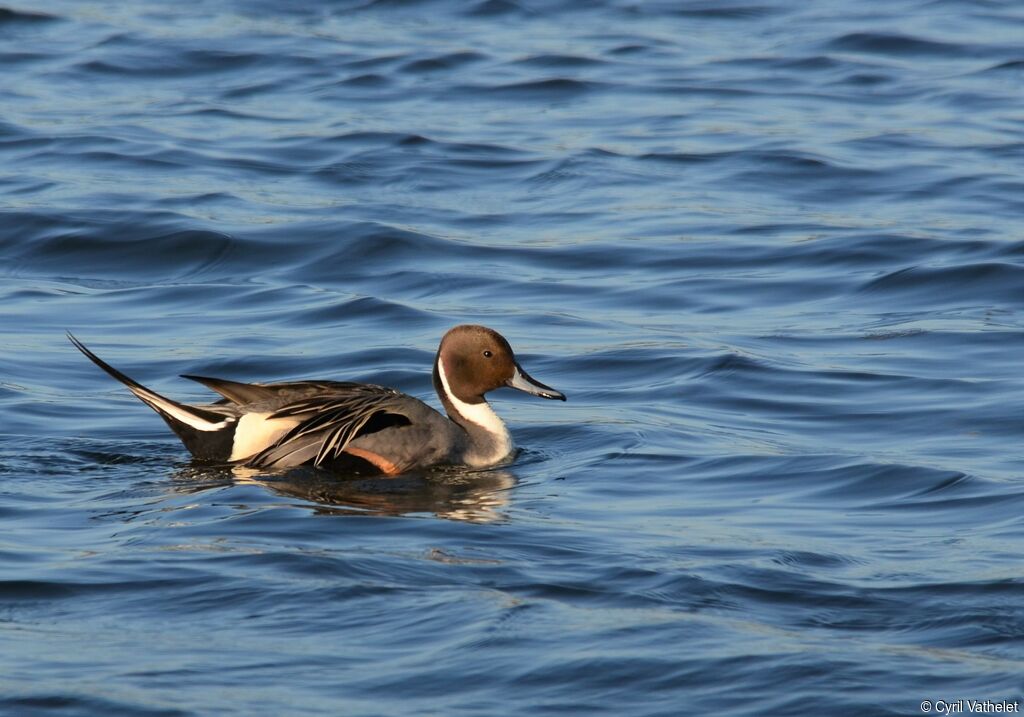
x=329, y=423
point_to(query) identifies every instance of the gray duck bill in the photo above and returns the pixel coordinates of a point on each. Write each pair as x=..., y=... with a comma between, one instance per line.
x=522, y=381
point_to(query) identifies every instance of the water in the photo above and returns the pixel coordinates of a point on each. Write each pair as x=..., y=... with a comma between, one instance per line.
x=771, y=251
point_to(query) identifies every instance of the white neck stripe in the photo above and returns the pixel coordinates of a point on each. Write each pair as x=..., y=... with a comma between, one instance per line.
x=479, y=413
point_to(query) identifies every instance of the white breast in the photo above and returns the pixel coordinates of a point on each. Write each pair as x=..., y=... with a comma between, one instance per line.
x=484, y=416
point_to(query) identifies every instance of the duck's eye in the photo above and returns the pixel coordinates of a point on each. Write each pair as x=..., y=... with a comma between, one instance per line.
x=487, y=354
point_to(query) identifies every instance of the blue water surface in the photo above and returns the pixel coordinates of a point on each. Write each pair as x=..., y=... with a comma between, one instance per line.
x=772, y=252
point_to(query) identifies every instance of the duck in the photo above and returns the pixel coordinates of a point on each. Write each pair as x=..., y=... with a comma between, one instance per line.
x=349, y=427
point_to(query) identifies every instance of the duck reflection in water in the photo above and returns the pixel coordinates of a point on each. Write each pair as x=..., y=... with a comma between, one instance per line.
x=452, y=494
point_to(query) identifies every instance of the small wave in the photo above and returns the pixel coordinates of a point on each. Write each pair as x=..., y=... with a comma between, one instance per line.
x=632, y=49
x=183, y=253
x=723, y=11
x=554, y=60
x=540, y=89
x=686, y=157
x=1015, y=66
x=815, y=63
x=496, y=8
x=365, y=139
x=14, y=57
x=901, y=45
x=438, y=63
x=810, y=559
x=22, y=590
x=971, y=283
x=189, y=62
x=369, y=79
x=378, y=62
x=11, y=16
x=369, y=245
x=866, y=79
x=40, y=702
x=885, y=487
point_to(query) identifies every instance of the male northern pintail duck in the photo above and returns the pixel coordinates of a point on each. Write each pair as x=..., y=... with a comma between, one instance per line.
x=354, y=426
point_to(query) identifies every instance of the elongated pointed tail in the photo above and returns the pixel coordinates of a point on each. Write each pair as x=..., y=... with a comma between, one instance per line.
x=188, y=422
